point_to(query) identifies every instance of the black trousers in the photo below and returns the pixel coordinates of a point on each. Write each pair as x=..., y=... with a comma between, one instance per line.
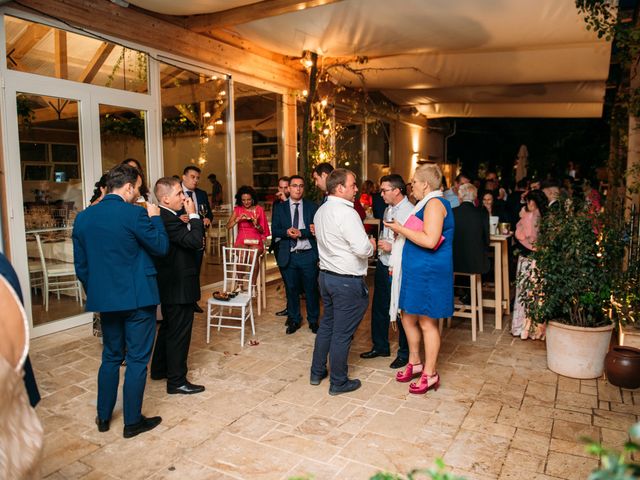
x=172, y=346
x=380, y=314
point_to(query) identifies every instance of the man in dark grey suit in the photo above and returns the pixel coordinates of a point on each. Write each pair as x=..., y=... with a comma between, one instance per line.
x=471, y=237
x=179, y=286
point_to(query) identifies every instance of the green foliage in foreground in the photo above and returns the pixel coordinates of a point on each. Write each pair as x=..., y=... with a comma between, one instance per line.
x=438, y=472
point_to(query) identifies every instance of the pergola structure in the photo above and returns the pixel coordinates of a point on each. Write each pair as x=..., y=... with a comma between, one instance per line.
x=223, y=84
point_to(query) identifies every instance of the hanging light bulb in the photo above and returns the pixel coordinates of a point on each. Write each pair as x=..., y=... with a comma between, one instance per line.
x=206, y=115
x=324, y=102
x=219, y=121
x=305, y=93
x=210, y=127
x=326, y=131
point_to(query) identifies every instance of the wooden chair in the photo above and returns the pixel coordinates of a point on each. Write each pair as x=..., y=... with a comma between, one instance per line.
x=239, y=270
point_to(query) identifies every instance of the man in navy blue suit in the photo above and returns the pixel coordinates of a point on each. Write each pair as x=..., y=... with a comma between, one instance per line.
x=297, y=254
x=112, y=245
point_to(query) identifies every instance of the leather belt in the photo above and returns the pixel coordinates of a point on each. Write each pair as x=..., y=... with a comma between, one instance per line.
x=341, y=274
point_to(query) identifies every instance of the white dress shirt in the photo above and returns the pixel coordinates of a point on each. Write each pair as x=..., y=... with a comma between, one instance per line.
x=193, y=196
x=302, y=243
x=343, y=244
x=401, y=212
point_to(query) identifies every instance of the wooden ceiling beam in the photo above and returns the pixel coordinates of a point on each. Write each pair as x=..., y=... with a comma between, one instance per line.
x=26, y=41
x=249, y=13
x=135, y=26
x=96, y=62
x=60, y=54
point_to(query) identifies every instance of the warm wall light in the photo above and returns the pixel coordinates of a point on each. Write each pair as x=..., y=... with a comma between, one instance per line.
x=306, y=59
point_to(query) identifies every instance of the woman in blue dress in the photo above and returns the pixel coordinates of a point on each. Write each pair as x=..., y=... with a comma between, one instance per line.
x=426, y=288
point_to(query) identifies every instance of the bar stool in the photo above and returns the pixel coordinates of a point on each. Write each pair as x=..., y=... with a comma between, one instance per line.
x=473, y=311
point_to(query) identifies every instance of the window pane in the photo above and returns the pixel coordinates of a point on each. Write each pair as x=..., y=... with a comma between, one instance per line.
x=194, y=124
x=48, y=51
x=122, y=136
x=52, y=191
x=378, y=150
x=349, y=148
x=258, y=155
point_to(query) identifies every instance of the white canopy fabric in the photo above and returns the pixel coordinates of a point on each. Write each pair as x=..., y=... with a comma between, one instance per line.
x=512, y=58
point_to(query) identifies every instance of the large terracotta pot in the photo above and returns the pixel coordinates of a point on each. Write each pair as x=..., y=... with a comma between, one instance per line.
x=622, y=365
x=577, y=352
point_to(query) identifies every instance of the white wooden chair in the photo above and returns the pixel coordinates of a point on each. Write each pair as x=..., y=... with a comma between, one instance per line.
x=217, y=235
x=36, y=278
x=239, y=270
x=57, y=277
x=473, y=311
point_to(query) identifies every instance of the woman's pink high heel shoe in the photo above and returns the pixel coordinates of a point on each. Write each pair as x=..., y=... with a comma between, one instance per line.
x=409, y=372
x=423, y=385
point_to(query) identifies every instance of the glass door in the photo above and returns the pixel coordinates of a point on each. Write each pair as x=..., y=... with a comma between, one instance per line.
x=52, y=195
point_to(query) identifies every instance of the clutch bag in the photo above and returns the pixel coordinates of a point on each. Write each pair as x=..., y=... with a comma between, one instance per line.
x=417, y=225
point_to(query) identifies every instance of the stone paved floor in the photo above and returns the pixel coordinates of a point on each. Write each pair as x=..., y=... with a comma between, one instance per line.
x=498, y=414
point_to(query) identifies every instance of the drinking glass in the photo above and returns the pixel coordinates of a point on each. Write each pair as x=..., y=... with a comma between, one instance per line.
x=388, y=215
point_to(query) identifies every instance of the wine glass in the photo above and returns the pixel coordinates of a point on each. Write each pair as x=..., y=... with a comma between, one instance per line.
x=202, y=210
x=388, y=215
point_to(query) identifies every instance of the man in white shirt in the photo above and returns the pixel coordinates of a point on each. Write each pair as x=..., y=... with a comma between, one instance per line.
x=392, y=189
x=344, y=249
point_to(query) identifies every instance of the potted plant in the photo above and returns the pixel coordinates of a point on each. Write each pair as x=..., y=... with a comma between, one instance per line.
x=576, y=263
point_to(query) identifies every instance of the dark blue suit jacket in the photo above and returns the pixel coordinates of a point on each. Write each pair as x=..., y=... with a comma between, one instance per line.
x=112, y=246
x=7, y=271
x=281, y=222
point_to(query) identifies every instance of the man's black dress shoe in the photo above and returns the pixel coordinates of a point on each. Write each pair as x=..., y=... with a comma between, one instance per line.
x=399, y=362
x=316, y=379
x=186, y=389
x=292, y=327
x=142, y=426
x=197, y=308
x=374, y=353
x=282, y=313
x=346, y=387
x=313, y=327
x=103, y=425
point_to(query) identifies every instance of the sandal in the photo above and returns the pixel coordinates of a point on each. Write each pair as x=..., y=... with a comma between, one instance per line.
x=423, y=385
x=409, y=372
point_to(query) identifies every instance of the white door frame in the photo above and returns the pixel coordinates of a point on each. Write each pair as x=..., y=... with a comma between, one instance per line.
x=89, y=98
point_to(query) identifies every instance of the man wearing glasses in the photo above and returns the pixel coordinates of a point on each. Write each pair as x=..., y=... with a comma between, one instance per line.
x=297, y=254
x=392, y=190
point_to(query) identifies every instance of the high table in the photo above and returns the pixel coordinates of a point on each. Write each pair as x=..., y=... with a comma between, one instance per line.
x=502, y=297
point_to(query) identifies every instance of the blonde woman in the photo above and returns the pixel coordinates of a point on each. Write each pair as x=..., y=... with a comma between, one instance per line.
x=425, y=276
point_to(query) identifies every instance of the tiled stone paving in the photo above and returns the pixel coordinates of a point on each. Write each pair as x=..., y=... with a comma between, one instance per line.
x=499, y=414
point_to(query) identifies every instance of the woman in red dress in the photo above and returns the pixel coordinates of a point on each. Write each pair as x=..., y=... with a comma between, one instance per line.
x=253, y=227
